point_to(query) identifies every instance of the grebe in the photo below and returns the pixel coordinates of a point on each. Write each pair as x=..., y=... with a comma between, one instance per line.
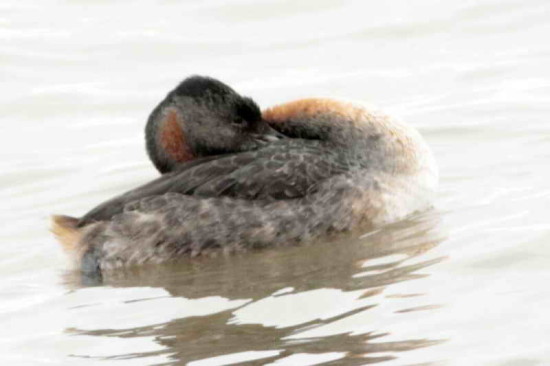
x=235, y=179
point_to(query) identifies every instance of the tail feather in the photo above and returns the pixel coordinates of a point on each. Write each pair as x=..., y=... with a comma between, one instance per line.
x=65, y=229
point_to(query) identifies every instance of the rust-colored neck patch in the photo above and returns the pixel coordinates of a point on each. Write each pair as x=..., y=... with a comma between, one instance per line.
x=172, y=139
x=306, y=108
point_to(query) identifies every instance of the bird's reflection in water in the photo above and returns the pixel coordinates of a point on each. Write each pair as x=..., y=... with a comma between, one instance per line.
x=362, y=268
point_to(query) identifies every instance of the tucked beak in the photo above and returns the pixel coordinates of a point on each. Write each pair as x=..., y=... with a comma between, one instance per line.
x=268, y=134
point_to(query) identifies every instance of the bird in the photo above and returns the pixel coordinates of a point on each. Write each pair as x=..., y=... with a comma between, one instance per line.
x=235, y=179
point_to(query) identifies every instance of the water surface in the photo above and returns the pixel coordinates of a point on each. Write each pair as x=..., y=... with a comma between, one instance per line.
x=462, y=284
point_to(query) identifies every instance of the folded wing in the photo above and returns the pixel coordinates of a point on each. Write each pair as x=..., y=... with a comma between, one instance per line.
x=283, y=170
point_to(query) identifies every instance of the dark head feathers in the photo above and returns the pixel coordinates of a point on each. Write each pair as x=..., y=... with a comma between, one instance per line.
x=205, y=89
x=197, y=86
x=248, y=110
